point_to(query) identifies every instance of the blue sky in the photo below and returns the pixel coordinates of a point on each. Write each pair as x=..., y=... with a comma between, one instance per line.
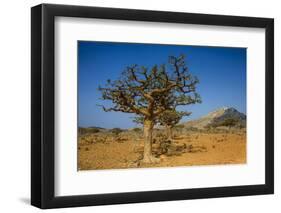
x=221, y=72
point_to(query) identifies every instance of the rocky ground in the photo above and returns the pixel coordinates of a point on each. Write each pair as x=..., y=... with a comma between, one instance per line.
x=98, y=151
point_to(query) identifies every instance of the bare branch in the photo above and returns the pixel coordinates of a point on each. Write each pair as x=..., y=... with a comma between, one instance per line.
x=151, y=92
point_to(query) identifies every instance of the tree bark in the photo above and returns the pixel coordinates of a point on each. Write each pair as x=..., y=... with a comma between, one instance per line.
x=147, y=153
x=169, y=132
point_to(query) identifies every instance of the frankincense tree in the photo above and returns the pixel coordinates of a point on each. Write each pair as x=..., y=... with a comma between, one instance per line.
x=148, y=93
x=170, y=118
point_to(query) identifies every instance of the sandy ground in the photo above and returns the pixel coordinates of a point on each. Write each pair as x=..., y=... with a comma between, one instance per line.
x=202, y=149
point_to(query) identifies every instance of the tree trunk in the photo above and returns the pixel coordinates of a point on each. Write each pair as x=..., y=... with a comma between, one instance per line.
x=147, y=153
x=169, y=132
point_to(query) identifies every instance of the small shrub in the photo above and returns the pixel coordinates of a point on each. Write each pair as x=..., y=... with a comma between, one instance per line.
x=192, y=129
x=179, y=126
x=137, y=129
x=116, y=131
x=88, y=130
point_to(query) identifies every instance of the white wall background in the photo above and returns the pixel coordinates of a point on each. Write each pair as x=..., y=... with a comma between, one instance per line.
x=15, y=105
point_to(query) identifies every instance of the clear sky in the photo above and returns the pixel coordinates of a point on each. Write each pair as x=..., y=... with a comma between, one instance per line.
x=221, y=72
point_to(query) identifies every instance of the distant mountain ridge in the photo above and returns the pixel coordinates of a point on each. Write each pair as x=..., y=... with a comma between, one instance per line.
x=211, y=119
x=217, y=116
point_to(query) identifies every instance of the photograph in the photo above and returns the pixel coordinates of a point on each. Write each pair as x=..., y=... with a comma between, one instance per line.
x=146, y=105
x=134, y=105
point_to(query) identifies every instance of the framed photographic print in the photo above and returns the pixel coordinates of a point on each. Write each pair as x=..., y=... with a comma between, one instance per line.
x=139, y=106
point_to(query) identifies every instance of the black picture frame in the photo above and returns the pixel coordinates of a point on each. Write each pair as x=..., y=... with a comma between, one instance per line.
x=43, y=102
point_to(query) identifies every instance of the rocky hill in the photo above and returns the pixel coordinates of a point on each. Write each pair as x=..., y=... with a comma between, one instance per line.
x=218, y=117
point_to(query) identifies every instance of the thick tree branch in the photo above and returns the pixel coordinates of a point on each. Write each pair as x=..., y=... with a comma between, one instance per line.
x=150, y=93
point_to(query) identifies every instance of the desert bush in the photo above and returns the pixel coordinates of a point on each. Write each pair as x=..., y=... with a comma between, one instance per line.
x=179, y=126
x=116, y=131
x=192, y=129
x=169, y=148
x=85, y=140
x=163, y=147
x=121, y=139
x=137, y=129
x=88, y=130
x=100, y=139
x=160, y=137
x=194, y=149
